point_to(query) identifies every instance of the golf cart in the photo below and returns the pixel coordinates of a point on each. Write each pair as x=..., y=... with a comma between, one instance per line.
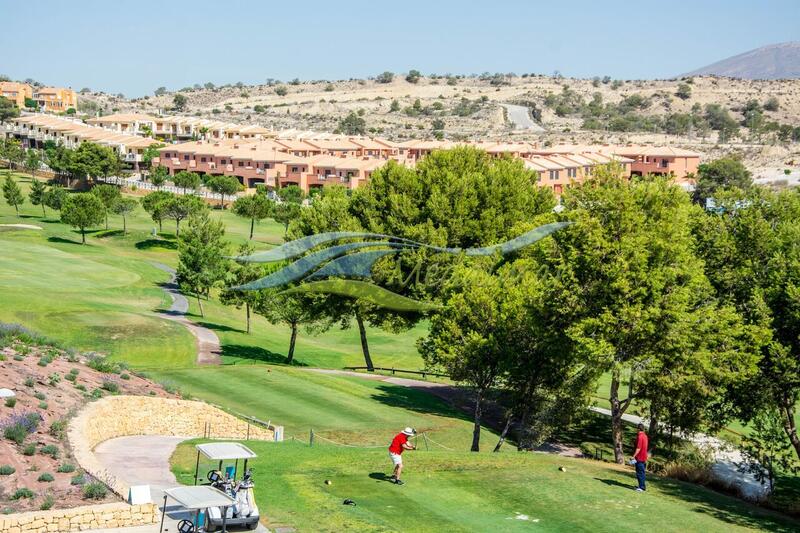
x=195, y=499
x=244, y=511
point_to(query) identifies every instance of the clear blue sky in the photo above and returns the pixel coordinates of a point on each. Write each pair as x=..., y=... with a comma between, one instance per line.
x=134, y=47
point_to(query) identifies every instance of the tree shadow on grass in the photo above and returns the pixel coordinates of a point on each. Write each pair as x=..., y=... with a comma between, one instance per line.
x=727, y=508
x=63, y=240
x=219, y=327
x=102, y=234
x=147, y=244
x=256, y=353
x=416, y=400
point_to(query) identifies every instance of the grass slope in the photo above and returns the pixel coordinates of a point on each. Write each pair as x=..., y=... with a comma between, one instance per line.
x=346, y=409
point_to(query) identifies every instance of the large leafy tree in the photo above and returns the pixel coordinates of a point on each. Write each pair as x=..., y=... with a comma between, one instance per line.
x=33, y=160
x=239, y=274
x=93, y=160
x=751, y=254
x=82, y=211
x=155, y=204
x=331, y=212
x=109, y=195
x=290, y=310
x=55, y=197
x=255, y=207
x=12, y=193
x=158, y=176
x=224, y=186
x=721, y=174
x=58, y=158
x=201, y=255
x=470, y=337
x=37, y=194
x=124, y=207
x=633, y=287
x=186, y=180
x=180, y=207
x=289, y=208
x=7, y=109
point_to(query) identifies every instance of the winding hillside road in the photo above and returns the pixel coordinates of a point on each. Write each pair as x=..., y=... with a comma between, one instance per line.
x=520, y=117
x=208, y=346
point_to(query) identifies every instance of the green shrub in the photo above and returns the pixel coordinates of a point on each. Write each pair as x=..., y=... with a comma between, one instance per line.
x=29, y=449
x=77, y=479
x=71, y=377
x=125, y=376
x=104, y=365
x=40, y=396
x=8, y=510
x=57, y=428
x=18, y=426
x=97, y=394
x=47, y=503
x=6, y=470
x=65, y=468
x=72, y=357
x=81, y=387
x=2, y=357
x=18, y=357
x=22, y=493
x=110, y=386
x=94, y=491
x=46, y=477
x=29, y=382
x=51, y=450
x=54, y=379
x=44, y=361
x=11, y=402
x=43, y=406
x=74, y=371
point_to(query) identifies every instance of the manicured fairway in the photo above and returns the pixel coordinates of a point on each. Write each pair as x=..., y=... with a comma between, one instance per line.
x=346, y=409
x=459, y=491
x=100, y=296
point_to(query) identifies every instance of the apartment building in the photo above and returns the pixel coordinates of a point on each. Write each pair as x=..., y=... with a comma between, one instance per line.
x=173, y=128
x=659, y=160
x=16, y=92
x=55, y=99
x=35, y=130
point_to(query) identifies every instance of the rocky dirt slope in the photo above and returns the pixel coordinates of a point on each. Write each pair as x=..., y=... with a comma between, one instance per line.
x=37, y=470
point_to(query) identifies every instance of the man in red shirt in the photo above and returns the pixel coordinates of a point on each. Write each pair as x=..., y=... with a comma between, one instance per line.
x=399, y=445
x=640, y=458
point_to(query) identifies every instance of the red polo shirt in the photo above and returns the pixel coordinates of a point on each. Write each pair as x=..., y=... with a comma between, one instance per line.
x=397, y=443
x=641, y=443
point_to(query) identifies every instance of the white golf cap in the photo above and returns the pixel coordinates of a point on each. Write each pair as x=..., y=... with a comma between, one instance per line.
x=409, y=431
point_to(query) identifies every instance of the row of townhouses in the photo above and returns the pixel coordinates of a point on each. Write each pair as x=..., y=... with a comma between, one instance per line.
x=36, y=130
x=256, y=155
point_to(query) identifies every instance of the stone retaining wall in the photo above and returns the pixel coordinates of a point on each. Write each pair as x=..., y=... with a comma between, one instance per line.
x=121, y=416
x=81, y=518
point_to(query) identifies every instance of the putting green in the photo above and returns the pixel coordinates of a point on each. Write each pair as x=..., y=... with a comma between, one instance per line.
x=27, y=266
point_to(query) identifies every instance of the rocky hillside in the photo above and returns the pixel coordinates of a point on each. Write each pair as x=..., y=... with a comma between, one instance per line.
x=49, y=386
x=774, y=62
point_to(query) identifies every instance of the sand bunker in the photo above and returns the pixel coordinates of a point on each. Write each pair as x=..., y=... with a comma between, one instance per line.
x=19, y=226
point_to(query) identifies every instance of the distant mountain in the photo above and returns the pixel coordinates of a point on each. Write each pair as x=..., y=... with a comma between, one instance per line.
x=772, y=62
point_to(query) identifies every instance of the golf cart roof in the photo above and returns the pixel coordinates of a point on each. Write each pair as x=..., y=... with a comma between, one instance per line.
x=220, y=451
x=199, y=497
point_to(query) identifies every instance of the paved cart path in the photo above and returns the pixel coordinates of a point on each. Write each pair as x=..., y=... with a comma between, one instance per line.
x=208, y=346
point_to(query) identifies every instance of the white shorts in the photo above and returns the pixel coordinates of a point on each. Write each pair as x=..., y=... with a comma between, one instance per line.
x=396, y=458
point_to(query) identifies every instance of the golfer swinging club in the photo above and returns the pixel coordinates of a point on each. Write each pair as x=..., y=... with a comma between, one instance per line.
x=399, y=444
